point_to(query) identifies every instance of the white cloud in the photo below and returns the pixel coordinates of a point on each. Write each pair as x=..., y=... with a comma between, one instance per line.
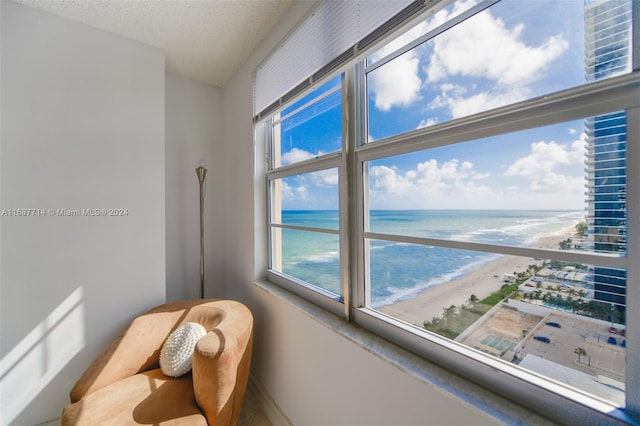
x=426, y=123
x=303, y=187
x=430, y=184
x=296, y=155
x=396, y=83
x=484, y=47
x=324, y=178
x=541, y=166
x=550, y=176
x=290, y=193
x=460, y=105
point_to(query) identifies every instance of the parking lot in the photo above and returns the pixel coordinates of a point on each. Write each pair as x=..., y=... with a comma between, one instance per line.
x=509, y=334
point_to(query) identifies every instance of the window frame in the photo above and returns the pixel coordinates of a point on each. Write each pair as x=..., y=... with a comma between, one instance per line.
x=325, y=299
x=609, y=95
x=614, y=94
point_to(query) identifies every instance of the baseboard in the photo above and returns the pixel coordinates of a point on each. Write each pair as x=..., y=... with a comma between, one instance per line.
x=268, y=406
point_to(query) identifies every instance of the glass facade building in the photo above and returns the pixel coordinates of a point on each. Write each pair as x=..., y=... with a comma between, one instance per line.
x=607, y=53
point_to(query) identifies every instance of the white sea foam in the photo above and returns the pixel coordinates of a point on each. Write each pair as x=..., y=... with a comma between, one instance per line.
x=323, y=258
x=398, y=294
x=428, y=266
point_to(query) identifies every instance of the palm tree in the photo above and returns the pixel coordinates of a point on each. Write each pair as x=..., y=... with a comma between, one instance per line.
x=580, y=352
x=447, y=314
x=473, y=301
x=570, y=302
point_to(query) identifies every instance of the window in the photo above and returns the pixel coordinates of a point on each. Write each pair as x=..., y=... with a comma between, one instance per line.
x=305, y=154
x=470, y=191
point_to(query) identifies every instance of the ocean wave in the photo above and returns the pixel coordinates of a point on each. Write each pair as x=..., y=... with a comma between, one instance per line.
x=524, y=232
x=328, y=257
x=397, y=294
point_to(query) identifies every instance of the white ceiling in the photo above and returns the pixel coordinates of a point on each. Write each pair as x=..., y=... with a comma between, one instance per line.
x=205, y=40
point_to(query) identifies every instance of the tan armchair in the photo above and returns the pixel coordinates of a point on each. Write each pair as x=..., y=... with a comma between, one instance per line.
x=125, y=384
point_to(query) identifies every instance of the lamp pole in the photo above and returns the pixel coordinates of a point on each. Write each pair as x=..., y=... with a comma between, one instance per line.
x=201, y=172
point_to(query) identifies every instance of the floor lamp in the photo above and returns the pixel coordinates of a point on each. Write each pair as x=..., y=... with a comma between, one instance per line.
x=201, y=172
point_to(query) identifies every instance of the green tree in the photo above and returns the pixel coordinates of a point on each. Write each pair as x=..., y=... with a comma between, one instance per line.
x=580, y=352
x=473, y=301
x=433, y=324
x=565, y=244
x=447, y=315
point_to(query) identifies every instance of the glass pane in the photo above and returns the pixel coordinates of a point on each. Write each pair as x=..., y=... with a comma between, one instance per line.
x=430, y=24
x=325, y=219
x=307, y=200
x=308, y=192
x=313, y=257
x=543, y=315
x=510, y=189
x=513, y=51
x=558, y=187
x=312, y=131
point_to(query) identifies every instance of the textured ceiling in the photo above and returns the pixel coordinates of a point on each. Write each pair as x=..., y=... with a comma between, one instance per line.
x=206, y=41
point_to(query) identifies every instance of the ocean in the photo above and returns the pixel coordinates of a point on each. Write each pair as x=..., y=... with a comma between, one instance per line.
x=400, y=271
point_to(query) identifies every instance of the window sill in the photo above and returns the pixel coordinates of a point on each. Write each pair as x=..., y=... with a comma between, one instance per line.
x=432, y=375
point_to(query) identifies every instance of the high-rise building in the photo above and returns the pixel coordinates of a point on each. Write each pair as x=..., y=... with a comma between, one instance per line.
x=607, y=53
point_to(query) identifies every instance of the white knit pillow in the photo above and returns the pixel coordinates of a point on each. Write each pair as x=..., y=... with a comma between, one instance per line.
x=176, y=355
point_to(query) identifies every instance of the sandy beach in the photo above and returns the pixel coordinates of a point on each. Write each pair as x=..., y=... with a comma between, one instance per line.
x=481, y=281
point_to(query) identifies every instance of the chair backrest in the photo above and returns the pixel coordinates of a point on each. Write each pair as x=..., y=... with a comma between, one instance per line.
x=221, y=360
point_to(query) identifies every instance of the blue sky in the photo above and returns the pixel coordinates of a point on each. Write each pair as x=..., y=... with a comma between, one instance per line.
x=516, y=50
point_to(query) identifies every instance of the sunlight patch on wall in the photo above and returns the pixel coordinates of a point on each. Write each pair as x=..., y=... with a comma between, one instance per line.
x=41, y=355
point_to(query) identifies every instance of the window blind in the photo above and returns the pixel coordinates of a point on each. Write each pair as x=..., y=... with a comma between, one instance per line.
x=334, y=33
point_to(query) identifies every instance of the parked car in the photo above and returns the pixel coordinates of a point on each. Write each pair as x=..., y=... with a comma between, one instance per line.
x=553, y=324
x=612, y=341
x=624, y=343
x=543, y=339
x=613, y=330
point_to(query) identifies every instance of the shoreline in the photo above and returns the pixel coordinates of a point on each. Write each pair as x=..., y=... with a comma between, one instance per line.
x=480, y=281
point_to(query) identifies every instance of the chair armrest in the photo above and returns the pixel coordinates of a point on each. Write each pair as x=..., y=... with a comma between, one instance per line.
x=221, y=363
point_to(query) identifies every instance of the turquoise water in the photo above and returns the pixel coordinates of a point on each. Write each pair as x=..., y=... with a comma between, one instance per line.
x=400, y=270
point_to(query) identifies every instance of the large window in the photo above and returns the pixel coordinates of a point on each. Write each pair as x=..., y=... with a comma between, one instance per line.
x=305, y=154
x=470, y=190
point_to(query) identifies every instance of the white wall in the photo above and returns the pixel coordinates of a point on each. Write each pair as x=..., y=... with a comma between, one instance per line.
x=82, y=128
x=315, y=375
x=193, y=114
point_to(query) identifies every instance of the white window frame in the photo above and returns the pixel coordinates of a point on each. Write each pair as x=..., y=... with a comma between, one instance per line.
x=327, y=300
x=622, y=93
x=540, y=393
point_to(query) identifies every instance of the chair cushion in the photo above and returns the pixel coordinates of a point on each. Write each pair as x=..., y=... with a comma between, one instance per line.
x=146, y=398
x=176, y=356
